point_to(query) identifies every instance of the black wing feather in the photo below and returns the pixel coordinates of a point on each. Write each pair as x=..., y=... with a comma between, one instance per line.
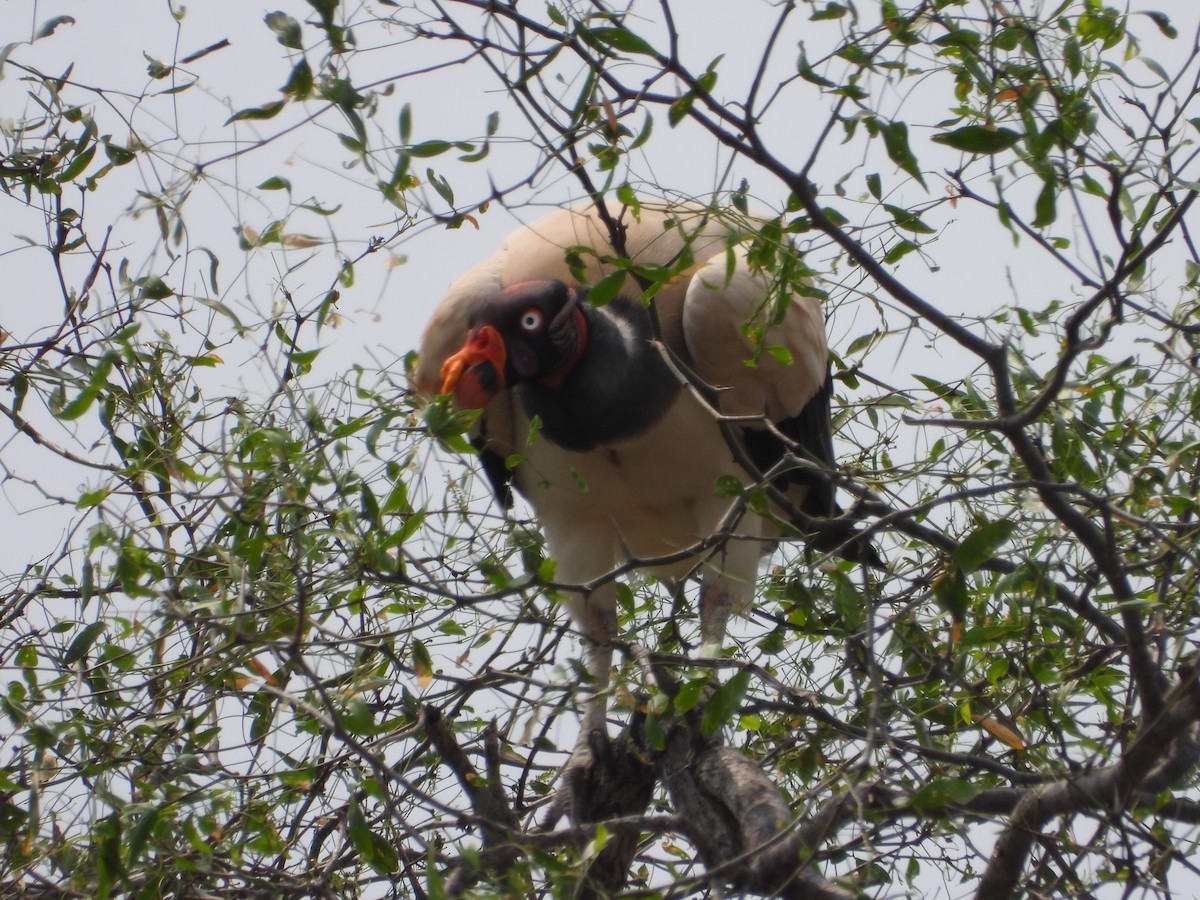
x=497, y=473
x=811, y=430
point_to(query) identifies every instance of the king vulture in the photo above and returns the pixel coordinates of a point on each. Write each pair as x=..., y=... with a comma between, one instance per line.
x=625, y=460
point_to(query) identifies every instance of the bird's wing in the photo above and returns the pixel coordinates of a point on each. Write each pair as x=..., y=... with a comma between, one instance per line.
x=793, y=392
x=782, y=377
x=725, y=295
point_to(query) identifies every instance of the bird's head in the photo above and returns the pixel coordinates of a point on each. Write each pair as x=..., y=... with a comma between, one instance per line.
x=531, y=331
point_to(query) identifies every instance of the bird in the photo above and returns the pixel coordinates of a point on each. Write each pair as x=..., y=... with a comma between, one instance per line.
x=624, y=419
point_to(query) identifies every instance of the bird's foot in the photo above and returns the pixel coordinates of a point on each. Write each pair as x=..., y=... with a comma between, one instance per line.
x=572, y=778
x=578, y=774
x=603, y=779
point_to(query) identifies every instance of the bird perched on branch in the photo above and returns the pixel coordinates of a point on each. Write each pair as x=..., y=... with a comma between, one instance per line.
x=642, y=412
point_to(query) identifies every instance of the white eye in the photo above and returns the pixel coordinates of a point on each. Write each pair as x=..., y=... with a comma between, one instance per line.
x=531, y=319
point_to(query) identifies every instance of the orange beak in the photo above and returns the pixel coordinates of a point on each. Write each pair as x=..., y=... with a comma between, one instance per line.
x=475, y=373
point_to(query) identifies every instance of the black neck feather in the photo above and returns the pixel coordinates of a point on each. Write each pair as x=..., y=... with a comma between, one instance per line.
x=620, y=387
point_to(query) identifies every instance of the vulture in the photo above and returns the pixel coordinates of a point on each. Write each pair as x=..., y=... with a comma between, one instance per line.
x=618, y=452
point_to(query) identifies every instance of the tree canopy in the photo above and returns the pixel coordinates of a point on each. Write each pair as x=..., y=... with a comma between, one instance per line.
x=264, y=633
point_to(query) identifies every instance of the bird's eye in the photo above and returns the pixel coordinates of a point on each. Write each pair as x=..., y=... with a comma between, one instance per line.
x=531, y=319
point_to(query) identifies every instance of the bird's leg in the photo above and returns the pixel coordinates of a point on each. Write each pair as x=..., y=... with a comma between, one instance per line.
x=716, y=606
x=725, y=589
x=596, y=614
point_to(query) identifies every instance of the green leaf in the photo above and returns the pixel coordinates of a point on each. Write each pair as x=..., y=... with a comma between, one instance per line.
x=951, y=594
x=774, y=643
x=118, y=155
x=831, y=11
x=690, y=693
x=153, y=288
x=353, y=144
x=300, y=81
x=678, y=110
x=441, y=185
x=83, y=643
x=76, y=166
x=1093, y=187
x=725, y=702
x=1046, y=208
x=405, y=123
x=319, y=210
x=780, y=354
x=97, y=382
x=809, y=74
x=856, y=55
x=981, y=544
x=895, y=139
x=359, y=831
x=87, y=585
x=862, y=342
x=325, y=8
x=107, y=854
x=616, y=38
x=429, y=148
x=358, y=718
x=908, y=220
x=422, y=661
x=979, y=139
x=139, y=834
x=1163, y=21
x=191, y=834
x=20, y=388
x=848, y=601
x=834, y=216
x=728, y=486
x=287, y=29
x=628, y=197
x=78, y=406
x=898, y=251
x=397, y=499
x=873, y=186
x=369, y=505
x=156, y=68
x=607, y=288
x=1156, y=68
x=51, y=25
x=944, y=792
x=644, y=134
x=256, y=113
x=92, y=498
